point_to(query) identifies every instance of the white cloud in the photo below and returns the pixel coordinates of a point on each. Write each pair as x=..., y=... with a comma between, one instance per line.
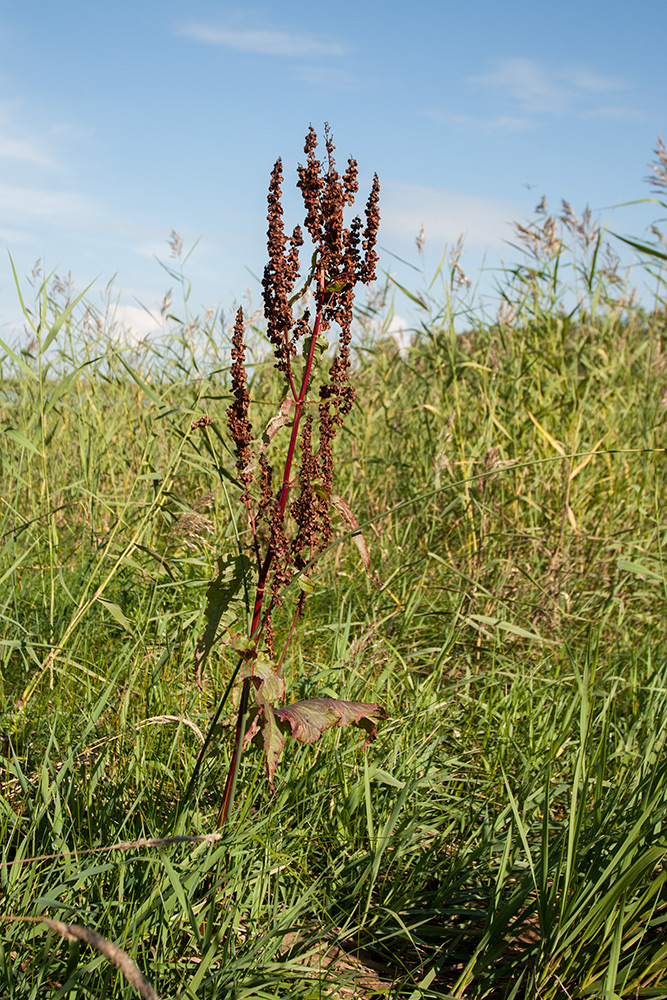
x=153, y=248
x=12, y=237
x=526, y=83
x=19, y=146
x=14, y=149
x=267, y=41
x=538, y=89
x=585, y=79
x=501, y=123
x=445, y=215
x=32, y=204
x=135, y=323
x=330, y=78
x=401, y=333
x=28, y=198
x=616, y=113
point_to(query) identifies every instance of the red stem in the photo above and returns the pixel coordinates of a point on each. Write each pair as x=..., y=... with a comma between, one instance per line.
x=266, y=565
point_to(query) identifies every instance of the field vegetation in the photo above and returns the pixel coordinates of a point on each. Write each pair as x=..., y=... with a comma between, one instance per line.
x=495, y=580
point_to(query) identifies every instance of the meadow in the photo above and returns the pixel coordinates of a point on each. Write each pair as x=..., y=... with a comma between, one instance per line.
x=495, y=580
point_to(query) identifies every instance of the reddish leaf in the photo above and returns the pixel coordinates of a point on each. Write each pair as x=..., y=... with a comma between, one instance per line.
x=263, y=727
x=309, y=719
x=272, y=736
x=305, y=720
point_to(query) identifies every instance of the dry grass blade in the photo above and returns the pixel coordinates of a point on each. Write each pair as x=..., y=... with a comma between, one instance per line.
x=123, y=845
x=157, y=720
x=111, y=951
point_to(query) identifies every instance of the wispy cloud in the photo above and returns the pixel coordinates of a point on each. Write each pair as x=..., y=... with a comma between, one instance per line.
x=330, y=78
x=499, y=123
x=445, y=215
x=537, y=89
x=526, y=91
x=25, y=151
x=616, y=113
x=134, y=323
x=35, y=204
x=265, y=41
x=17, y=145
x=14, y=237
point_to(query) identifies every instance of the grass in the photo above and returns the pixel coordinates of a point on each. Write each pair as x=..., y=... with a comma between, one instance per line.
x=504, y=836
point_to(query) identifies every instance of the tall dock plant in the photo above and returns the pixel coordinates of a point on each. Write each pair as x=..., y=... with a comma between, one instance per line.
x=289, y=514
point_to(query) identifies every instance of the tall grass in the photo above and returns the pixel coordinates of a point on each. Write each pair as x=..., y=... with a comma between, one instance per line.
x=504, y=836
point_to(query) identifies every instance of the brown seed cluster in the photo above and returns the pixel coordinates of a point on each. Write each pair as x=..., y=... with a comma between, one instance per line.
x=240, y=427
x=343, y=255
x=280, y=274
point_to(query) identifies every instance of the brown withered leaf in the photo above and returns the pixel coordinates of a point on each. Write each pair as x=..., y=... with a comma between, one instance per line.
x=281, y=418
x=357, y=536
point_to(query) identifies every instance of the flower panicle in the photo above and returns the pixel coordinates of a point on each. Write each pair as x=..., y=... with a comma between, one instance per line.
x=240, y=427
x=297, y=529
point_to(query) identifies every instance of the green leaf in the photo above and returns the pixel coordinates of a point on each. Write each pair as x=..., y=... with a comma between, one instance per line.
x=23, y=441
x=17, y=284
x=62, y=318
x=516, y=630
x=263, y=672
x=62, y=387
x=305, y=584
x=629, y=566
x=263, y=727
x=642, y=247
x=117, y=613
x=140, y=382
x=321, y=345
x=19, y=361
x=220, y=610
x=414, y=298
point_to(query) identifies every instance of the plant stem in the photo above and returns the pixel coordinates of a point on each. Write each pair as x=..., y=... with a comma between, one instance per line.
x=255, y=629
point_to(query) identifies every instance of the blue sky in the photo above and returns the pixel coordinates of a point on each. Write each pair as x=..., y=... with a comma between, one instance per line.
x=119, y=122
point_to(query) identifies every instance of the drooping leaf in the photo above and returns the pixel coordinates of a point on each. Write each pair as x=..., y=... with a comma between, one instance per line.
x=23, y=442
x=630, y=566
x=221, y=598
x=546, y=435
x=321, y=344
x=265, y=678
x=642, y=247
x=63, y=317
x=306, y=721
x=418, y=299
x=309, y=719
x=263, y=726
x=151, y=393
x=116, y=612
x=357, y=537
x=275, y=423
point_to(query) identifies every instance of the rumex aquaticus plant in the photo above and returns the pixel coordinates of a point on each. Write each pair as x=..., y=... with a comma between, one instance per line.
x=289, y=515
